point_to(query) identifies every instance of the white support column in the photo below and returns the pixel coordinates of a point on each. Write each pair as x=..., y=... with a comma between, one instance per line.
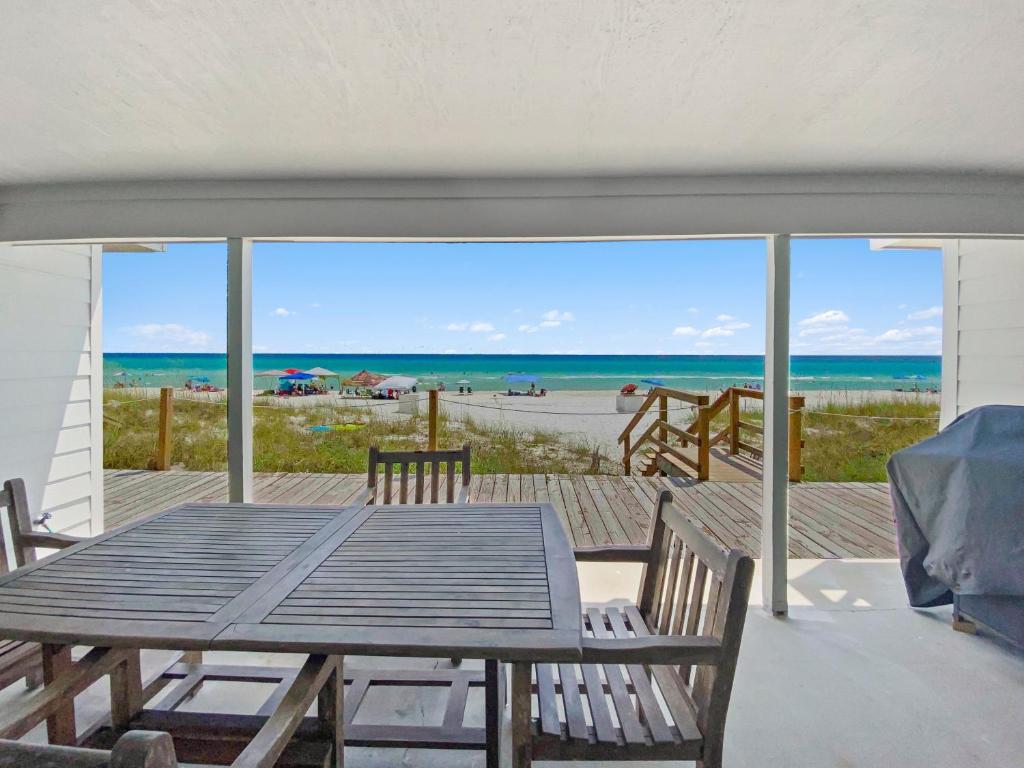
x=775, y=481
x=239, y=369
x=950, y=331
x=96, y=388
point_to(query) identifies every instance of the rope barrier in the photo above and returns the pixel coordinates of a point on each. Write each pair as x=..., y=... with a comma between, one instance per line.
x=552, y=413
x=872, y=418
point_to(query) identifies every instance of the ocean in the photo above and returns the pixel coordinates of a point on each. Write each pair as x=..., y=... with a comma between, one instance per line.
x=555, y=372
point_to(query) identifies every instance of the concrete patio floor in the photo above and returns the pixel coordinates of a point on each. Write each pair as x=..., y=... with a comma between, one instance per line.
x=852, y=677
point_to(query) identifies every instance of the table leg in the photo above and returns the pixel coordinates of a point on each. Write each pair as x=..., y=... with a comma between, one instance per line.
x=330, y=710
x=522, y=704
x=60, y=726
x=126, y=691
x=493, y=706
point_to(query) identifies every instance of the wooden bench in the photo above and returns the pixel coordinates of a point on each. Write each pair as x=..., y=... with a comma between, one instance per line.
x=421, y=460
x=680, y=640
x=21, y=659
x=136, y=749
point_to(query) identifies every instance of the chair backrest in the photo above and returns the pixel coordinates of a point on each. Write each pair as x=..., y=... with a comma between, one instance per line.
x=693, y=586
x=421, y=460
x=15, y=500
x=135, y=749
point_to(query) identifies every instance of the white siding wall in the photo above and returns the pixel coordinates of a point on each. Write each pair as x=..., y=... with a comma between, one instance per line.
x=984, y=328
x=51, y=424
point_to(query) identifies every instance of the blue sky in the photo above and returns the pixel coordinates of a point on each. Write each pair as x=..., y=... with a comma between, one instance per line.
x=666, y=297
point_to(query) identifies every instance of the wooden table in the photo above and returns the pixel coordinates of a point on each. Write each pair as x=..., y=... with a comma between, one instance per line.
x=495, y=582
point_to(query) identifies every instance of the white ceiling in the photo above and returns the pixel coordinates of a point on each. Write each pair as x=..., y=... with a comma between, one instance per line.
x=262, y=89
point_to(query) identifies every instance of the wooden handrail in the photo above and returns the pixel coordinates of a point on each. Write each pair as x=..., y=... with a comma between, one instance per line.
x=656, y=394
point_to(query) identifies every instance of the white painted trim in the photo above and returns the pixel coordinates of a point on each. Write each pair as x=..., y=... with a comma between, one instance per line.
x=775, y=470
x=239, y=300
x=880, y=204
x=948, y=408
x=96, y=388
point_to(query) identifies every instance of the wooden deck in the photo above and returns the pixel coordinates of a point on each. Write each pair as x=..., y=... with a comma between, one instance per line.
x=827, y=520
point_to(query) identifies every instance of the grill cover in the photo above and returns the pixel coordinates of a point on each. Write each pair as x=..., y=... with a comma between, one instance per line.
x=958, y=499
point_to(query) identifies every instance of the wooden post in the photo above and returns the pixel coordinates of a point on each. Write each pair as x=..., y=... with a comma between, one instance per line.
x=734, y=421
x=522, y=685
x=60, y=726
x=704, y=446
x=432, y=421
x=330, y=711
x=126, y=691
x=796, y=442
x=663, y=416
x=164, y=438
x=626, y=458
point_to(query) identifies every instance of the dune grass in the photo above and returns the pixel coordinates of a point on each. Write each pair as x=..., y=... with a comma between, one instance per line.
x=846, y=439
x=283, y=442
x=850, y=439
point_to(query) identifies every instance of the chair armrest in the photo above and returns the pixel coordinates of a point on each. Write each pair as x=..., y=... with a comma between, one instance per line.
x=613, y=553
x=48, y=540
x=655, y=649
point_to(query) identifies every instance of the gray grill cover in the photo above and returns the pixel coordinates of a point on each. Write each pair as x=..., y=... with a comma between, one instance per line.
x=959, y=504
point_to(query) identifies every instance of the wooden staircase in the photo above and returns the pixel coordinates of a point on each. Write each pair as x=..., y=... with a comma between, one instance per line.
x=666, y=449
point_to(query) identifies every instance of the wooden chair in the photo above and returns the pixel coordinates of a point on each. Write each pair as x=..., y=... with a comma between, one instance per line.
x=682, y=637
x=22, y=659
x=421, y=460
x=136, y=749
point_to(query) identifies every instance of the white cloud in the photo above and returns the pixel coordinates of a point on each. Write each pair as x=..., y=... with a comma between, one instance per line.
x=736, y=325
x=170, y=333
x=554, y=316
x=315, y=305
x=496, y=337
x=828, y=317
x=724, y=318
x=718, y=331
x=477, y=326
x=550, y=319
x=925, y=314
x=907, y=334
x=282, y=312
x=685, y=330
x=692, y=310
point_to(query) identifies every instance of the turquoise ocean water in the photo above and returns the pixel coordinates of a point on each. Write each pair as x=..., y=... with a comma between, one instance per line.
x=556, y=372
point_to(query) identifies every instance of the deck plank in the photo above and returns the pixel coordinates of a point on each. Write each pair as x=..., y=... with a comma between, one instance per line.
x=827, y=520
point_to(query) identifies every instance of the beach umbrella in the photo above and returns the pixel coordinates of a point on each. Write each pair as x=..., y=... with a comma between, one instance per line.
x=463, y=381
x=518, y=378
x=200, y=379
x=271, y=374
x=364, y=379
x=653, y=382
x=298, y=376
x=292, y=370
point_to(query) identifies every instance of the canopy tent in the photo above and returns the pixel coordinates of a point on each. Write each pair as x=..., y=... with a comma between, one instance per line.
x=517, y=378
x=364, y=379
x=298, y=376
x=323, y=373
x=395, y=383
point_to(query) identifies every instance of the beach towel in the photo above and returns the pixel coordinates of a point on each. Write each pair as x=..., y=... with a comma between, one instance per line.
x=958, y=499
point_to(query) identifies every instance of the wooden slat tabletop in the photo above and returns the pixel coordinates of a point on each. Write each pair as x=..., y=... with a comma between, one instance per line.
x=484, y=581
x=169, y=581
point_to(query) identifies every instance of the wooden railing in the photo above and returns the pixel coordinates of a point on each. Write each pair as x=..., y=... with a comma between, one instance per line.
x=698, y=434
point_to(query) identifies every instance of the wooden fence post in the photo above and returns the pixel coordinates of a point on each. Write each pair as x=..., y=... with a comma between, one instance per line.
x=164, y=440
x=704, y=446
x=432, y=421
x=625, y=455
x=796, y=442
x=663, y=416
x=734, y=421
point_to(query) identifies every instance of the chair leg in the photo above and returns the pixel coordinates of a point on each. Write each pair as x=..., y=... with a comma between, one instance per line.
x=522, y=705
x=34, y=679
x=455, y=661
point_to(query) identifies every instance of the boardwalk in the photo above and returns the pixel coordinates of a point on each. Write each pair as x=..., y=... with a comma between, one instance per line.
x=827, y=519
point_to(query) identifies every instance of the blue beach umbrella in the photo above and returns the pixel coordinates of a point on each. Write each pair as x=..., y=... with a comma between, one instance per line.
x=653, y=382
x=518, y=378
x=298, y=377
x=200, y=379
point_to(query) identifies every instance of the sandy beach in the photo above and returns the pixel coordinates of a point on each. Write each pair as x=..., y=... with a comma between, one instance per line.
x=587, y=415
